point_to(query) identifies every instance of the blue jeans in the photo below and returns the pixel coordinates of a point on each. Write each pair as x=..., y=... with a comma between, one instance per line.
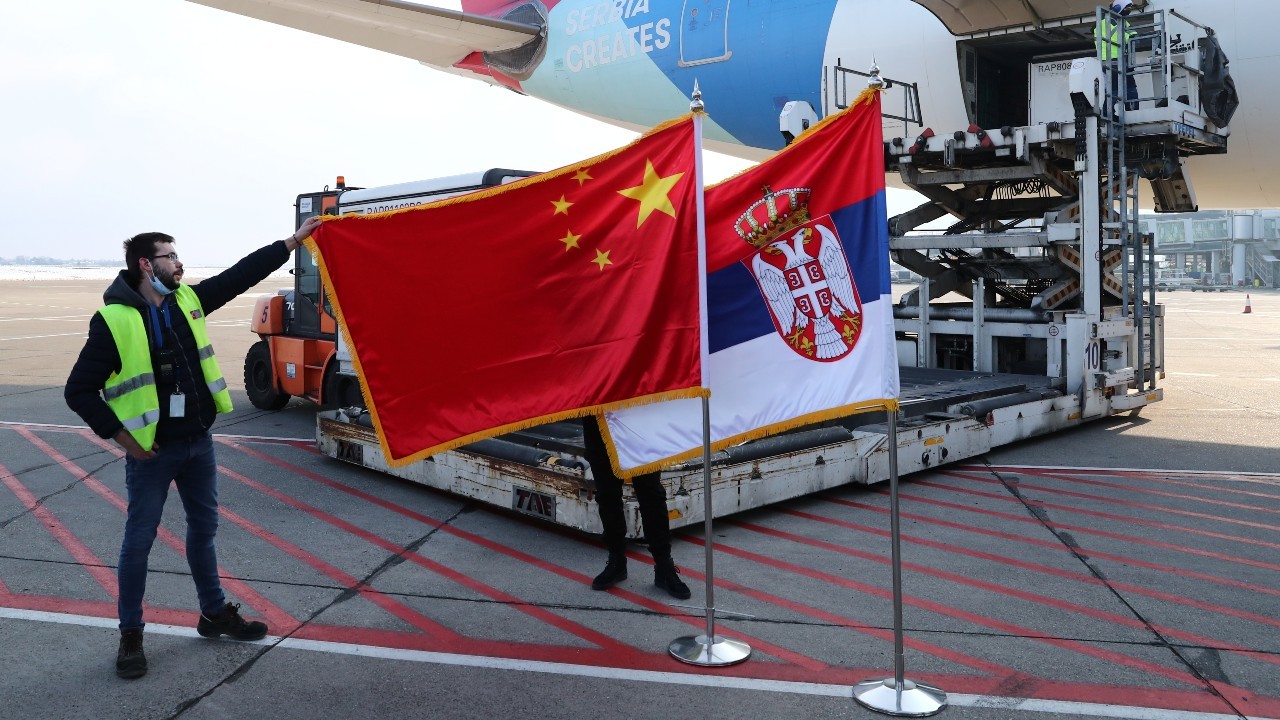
x=192, y=467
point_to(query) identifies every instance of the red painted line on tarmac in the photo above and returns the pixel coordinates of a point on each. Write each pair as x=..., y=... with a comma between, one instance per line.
x=944, y=610
x=260, y=604
x=1001, y=671
x=1126, y=621
x=812, y=670
x=775, y=650
x=1182, y=572
x=1142, y=506
x=67, y=539
x=1152, y=476
x=1233, y=612
x=1149, y=491
x=432, y=628
x=1104, y=533
x=97, y=608
x=1121, y=696
x=70, y=606
x=599, y=639
x=378, y=637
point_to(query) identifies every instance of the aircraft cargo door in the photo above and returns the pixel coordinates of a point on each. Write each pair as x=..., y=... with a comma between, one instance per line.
x=704, y=32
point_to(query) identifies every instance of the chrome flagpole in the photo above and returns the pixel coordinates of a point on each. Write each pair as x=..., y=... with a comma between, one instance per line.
x=707, y=650
x=896, y=695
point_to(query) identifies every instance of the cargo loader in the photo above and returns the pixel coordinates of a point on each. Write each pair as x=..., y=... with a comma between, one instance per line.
x=1036, y=309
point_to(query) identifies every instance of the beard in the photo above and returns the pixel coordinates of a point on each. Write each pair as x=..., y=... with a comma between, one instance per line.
x=169, y=278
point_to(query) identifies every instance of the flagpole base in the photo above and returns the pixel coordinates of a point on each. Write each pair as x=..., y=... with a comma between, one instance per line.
x=696, y=650
x=913, y=700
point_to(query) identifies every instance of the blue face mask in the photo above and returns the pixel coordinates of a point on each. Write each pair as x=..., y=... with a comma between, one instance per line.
x=159, y=286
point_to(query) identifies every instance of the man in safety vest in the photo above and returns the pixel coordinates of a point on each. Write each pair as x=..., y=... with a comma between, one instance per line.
x=147, y=378
x=1111, y=38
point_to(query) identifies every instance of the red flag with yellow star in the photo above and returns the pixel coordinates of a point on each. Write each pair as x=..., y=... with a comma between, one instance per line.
x=556, y=296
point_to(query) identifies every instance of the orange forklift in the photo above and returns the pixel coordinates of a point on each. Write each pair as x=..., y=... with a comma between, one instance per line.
x=299, y=335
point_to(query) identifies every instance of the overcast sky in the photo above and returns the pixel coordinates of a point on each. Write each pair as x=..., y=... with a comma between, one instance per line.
x=136, y=115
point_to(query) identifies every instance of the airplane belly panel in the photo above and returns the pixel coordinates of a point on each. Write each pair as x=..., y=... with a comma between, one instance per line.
x=637, y=61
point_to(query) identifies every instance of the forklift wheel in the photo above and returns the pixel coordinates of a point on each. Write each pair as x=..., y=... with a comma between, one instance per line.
x=259, y=379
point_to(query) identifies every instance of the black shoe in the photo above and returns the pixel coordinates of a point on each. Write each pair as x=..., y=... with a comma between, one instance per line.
x=229, y=623
x=615, y=571
x=666, y=578
x=131, y=664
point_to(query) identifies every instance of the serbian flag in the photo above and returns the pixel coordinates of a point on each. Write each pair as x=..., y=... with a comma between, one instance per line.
x=558, y=295
x=800, y=321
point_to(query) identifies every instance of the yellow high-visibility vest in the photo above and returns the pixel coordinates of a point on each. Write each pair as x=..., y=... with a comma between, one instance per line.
x=131, y=392
x=1110, y=48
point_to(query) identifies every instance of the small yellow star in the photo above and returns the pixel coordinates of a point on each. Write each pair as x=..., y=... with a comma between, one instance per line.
x=562, y=206
x=570, y=240
x=582, y=177
x=602, y=259
x=653, y=193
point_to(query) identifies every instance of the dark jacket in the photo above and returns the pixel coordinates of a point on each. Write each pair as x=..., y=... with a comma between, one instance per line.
x=99, y=358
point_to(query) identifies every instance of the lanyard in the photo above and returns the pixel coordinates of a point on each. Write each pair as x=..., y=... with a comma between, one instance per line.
x=160, y=331
x=158, y=336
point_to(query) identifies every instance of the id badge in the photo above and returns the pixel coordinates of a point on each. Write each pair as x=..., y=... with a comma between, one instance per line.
x=177, y=404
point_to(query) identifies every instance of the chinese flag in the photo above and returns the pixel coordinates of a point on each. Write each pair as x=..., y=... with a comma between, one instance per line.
x=559, y=295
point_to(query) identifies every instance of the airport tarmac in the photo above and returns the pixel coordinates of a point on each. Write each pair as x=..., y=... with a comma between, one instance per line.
x=1124, y=569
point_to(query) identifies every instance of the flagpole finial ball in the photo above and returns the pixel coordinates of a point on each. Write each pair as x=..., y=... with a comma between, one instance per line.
x=696, y=105
x=875, y=81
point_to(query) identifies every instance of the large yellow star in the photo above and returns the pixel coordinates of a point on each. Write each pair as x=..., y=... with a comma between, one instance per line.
x=582, y=176
x=602, y=259
x=652, y=193
x=570, y=240
x=562, y=206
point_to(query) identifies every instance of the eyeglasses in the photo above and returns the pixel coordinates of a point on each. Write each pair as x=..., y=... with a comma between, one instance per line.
x=173, y=256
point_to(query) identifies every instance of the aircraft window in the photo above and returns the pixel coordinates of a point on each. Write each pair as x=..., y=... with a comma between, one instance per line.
x=704, y=32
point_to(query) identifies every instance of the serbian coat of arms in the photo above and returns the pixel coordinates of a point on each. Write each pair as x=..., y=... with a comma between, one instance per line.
x=803, y=274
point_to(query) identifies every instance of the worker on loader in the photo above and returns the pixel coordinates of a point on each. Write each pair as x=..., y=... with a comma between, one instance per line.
x=1112, y=38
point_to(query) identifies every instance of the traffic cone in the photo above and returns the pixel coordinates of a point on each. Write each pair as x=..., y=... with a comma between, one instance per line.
x=1247, y=307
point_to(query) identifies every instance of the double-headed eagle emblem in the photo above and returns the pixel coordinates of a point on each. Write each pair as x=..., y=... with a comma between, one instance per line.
x=803, y=274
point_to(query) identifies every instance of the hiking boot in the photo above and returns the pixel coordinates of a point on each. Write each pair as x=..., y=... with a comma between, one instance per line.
x=229, y=623
x=667, y=578
x=131, y=664
x=615, y=571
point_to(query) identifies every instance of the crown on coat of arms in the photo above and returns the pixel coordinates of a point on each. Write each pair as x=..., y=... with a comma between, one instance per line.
x=774, y=215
